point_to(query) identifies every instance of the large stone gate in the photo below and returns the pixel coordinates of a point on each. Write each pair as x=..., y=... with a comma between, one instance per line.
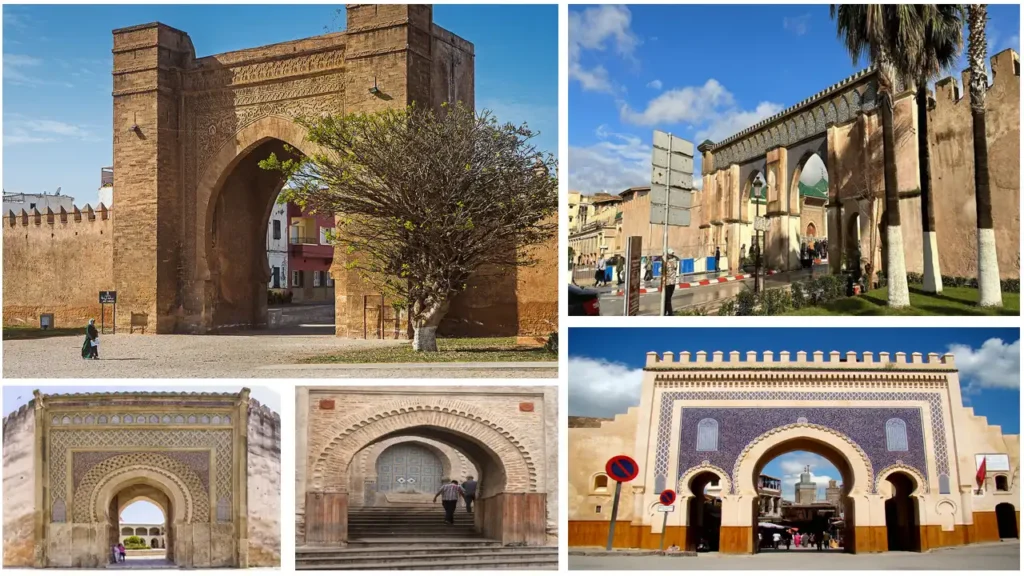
x=185, y=244
x=842, y=126
x=210, y=462
x=893, y=425
x=353, y=445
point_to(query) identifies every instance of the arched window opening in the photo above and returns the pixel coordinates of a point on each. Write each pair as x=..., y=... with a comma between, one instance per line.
x=896, y=435
x=707, y=435
x=1001, y=484
x=601, y=483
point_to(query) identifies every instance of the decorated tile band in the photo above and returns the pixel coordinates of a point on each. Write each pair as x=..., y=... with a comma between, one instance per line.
x=847, y=420
x=832, y=360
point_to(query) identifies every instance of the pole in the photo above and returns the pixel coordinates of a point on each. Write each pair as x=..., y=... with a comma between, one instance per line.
x=757, y=234
x=664, y=525
x=664, y=240
x=615, y=512
x=114, y=319
x=103, y=321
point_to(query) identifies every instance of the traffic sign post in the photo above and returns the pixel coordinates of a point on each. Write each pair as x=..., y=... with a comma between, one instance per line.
x=621, y=469
x=671, y=191
x=107, y=297
x=634, y=247
x=667, y=498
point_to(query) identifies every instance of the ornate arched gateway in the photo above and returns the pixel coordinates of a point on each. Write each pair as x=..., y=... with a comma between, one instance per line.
x=893, y=425
x=192, y=204
x=210, y=462
x=354, y=446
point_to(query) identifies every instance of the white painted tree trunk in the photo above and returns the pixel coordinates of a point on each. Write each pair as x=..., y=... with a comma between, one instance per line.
x=896, y=269
x=990, y=291
x=424, y=339
x=932, y=273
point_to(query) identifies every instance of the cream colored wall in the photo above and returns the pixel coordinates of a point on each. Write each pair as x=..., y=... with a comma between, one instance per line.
x=589, y=451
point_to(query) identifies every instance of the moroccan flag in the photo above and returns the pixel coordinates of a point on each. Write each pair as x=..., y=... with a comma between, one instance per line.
x=981, y=473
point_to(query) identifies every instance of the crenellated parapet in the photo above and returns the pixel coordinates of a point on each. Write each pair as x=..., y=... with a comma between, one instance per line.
x=1005, y=69
x=36, y=218
x=17, y=419
x=801, y=360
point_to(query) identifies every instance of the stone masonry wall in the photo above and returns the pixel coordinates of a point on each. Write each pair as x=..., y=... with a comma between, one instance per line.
x=950, y=136
x=19, y=431
x=264, y=486
x=57, y=263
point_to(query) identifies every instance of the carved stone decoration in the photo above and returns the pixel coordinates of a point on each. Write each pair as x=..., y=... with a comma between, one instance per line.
x=843, y=114
x=58, y=511
x=819, y=120
x=870, y=97
x=831, y=115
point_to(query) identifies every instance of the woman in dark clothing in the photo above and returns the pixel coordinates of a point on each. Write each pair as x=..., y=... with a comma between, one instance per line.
x=91, y=348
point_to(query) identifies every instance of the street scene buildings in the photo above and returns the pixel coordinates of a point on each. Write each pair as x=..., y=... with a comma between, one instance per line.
x=806, y=192
x=208, y=464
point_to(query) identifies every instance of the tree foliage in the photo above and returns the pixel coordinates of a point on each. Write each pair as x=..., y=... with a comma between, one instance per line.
x=426, y=199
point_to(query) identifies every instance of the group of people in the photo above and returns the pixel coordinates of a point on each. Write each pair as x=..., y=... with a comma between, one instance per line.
x=118, y=552
x=814, y=249
x=819, y=540
x=450, y=493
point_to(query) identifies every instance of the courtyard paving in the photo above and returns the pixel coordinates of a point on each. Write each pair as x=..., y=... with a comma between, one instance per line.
x=224, y=356
x=997, y=556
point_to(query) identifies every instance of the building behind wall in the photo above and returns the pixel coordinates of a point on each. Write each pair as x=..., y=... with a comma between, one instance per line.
x=277, y=247
x=310, y=254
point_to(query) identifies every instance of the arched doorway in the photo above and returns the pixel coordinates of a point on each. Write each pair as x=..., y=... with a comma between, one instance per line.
x=409, y=468
x=240, y=229
x=704, y=512
x=146, y=507
x=812, y=230
x=848, y=459
x=1006, y=519
x=901, y=513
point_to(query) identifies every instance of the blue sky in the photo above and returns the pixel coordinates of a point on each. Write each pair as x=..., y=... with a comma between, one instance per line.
x=700, y=72
x=605, y=368
x=140, y=512
x=57, y=108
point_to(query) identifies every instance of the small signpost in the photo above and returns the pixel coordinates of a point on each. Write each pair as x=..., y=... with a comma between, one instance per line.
x=108, y=297
x=634, y=247
x=621, y=469
x=667, y=499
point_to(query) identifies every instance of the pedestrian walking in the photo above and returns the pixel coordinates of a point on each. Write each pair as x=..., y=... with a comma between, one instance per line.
x=116, y=553
x=449, y=494
x=776, y=537
x=91, y=346
x=120, y=549
x=469, y=493
x=602, y=270
x=796, y=539
x=670, y=270
x=818, y=540
x=718, y=259
x=788, y=539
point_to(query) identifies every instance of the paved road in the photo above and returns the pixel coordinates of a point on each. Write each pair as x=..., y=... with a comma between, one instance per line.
x=218, y=356
x=709, y=296
x=1001, y=556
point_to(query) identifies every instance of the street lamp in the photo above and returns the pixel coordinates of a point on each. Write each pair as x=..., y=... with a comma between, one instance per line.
x=758, y=186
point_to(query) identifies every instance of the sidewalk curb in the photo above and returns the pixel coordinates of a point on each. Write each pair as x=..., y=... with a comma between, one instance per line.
x=708, y=282
x=681, y=553
x=419, y=366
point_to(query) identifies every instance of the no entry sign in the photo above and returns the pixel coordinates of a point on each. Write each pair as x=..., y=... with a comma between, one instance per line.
x=668, y=497
x=621, y=468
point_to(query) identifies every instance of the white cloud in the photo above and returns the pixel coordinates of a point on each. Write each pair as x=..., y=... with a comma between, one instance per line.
x=698, y=181
x=594, y=29
x=797, y=25
x=1013, y=42
x=995, y=365
x=710, y=106
x=656, y=84
x=21, y=130
x=794, y=465
x=616, y=162
x=17, y=71
x=599, y=388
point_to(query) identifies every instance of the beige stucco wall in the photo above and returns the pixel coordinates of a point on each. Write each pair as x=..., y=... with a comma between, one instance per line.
x=264, y=486
x=636, y=221
x=589, y=451
x=19, y=487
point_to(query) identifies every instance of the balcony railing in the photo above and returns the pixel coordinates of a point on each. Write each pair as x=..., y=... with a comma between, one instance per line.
x=305, y=240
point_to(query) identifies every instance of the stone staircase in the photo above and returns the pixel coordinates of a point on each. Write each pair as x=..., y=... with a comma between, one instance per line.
x=416, y=538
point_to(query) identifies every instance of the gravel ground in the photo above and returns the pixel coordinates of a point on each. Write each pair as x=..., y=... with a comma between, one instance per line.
x=1002, y=556
x=190, y=356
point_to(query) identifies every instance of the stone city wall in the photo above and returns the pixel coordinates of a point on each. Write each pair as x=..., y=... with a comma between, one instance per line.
x=19, y=487
x=264, y=486
x=57, y=263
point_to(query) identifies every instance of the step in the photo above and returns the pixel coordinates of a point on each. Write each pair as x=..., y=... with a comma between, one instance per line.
x=506, y=564
x=393, y=558
x=415, y=550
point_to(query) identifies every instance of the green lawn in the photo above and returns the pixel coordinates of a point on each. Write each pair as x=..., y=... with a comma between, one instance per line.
x=952, y=302
x=449, y=350
x=34, y=333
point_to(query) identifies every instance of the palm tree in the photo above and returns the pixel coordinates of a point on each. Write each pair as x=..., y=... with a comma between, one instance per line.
x=943, y=41
x=890, y=36
x=989, y=290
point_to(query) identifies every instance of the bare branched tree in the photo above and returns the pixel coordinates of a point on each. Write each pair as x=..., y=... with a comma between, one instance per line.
x=425, y=200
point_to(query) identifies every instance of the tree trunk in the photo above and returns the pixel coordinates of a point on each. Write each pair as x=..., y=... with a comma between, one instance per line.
x=896, y=265
x=424, y=338
x=932, y=272
x=989, y=290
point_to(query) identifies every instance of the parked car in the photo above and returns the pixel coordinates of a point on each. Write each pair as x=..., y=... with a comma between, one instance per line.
x=583, y=302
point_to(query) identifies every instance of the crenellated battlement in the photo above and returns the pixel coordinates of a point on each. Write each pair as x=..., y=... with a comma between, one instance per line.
x=800, y=360
x=17, y=419
x=37, y=218
x=1005, y=68
x=263, y=412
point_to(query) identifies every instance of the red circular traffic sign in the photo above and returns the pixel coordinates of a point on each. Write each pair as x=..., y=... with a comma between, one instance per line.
x=622, y=468
x=668, y=497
